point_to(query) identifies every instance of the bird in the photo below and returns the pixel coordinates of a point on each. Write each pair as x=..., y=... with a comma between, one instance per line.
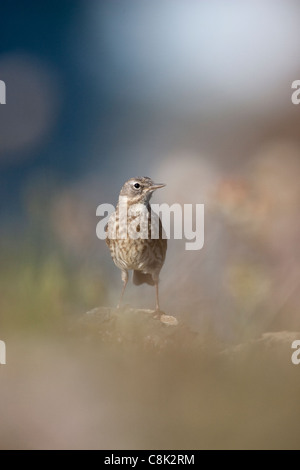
x=128, y=235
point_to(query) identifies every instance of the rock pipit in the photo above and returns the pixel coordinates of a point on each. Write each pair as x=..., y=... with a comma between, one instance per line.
x=135, y=235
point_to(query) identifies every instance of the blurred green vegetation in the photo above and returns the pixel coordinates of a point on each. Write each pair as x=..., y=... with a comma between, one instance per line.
x=40, y=287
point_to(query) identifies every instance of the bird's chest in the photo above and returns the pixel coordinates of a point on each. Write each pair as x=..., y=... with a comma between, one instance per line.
x=129, y=238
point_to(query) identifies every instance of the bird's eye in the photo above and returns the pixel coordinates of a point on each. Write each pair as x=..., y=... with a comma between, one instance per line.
x=137, y=185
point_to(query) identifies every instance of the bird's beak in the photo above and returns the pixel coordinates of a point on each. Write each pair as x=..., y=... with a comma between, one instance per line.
x=156, y=186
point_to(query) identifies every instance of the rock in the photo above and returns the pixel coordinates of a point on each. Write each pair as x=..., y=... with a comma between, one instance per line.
x=169, y=320
x=270, y=346
x=145, y=329
x=142, y=327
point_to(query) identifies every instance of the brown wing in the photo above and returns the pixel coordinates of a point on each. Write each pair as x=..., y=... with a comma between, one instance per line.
x=163, y=241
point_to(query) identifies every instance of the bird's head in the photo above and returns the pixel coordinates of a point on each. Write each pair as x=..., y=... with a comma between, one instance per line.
x=139, y=190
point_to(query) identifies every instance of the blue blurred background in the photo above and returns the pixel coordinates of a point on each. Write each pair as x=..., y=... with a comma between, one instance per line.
x=195, y=94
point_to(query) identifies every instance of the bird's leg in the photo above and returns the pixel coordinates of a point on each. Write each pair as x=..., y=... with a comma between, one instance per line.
x=125, y=280
x=157, y=309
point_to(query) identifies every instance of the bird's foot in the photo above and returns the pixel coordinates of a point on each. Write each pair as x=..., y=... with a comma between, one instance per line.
x=158, y=313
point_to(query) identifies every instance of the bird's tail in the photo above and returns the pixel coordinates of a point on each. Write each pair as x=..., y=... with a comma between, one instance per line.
x=141, y=278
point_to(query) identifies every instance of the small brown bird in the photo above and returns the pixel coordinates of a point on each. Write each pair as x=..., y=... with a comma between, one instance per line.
x=129, y=231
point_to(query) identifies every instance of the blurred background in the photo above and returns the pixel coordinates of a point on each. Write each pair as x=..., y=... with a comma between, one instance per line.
x=195, y=94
